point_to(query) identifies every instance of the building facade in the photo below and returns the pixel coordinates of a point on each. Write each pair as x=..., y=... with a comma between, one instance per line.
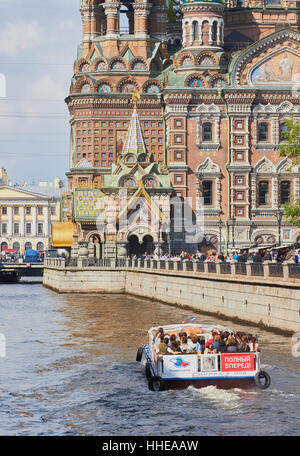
x=26, y=217
x=215, y=81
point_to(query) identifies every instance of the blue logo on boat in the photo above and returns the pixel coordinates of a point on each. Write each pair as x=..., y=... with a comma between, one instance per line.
x=179, y=362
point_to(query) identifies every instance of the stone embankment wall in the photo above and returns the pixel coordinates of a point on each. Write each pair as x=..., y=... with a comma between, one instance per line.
x=259, y=302
x=95, y=280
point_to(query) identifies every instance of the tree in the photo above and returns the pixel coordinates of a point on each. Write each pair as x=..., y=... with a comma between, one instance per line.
x=291, y=149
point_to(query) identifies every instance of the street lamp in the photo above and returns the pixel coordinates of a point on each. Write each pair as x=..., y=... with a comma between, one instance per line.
x=220, y=223
x=158, y=244
x=232, y=231
x=279, y=215
x=169, y=241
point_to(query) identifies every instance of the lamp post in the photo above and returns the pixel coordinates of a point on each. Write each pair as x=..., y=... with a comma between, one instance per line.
x=232, y=231
x=220, y=223
x=158, y=243
x=279, y=215
x=169, y=242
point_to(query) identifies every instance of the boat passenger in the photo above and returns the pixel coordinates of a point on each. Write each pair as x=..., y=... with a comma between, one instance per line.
x=173, y=339
x=216, y=344
x=184, y=346
x=244, y=346
x=163, y=347
x=174, y=349
x=160, y=331
x=231, y=344
x=222, y=346
x=253, y=345
x=193, y=344
x=211, y=338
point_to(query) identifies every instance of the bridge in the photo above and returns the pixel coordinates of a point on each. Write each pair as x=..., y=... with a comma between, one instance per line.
x=12, y=273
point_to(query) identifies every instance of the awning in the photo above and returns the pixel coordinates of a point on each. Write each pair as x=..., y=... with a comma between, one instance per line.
x=62, y=234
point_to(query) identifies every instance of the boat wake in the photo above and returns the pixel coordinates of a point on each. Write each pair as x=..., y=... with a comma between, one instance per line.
x=220, y=397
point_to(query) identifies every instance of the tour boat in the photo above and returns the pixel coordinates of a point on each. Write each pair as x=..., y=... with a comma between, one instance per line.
x=223, y=370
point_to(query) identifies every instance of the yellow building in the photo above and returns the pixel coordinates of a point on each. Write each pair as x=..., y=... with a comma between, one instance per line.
x=25, y=218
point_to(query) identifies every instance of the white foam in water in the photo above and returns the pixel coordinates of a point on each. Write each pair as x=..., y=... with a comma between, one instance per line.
x=223, y=398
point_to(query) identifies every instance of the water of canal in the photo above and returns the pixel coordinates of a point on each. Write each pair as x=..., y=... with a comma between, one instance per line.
x=70, y=370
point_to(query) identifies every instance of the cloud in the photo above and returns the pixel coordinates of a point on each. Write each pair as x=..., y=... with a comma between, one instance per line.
x=16, y=37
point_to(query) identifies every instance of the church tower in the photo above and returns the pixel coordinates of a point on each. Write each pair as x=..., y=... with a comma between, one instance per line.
x=123, y=50
x=203, y=24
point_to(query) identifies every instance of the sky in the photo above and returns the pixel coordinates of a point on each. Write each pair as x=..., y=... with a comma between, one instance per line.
x=38, y=45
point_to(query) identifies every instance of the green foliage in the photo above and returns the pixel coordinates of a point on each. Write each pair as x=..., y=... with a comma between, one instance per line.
x=292, y=213
x=291, y=149
x=171, y=14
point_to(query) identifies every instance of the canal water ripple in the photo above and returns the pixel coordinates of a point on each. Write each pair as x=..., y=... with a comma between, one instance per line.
x=70, y=370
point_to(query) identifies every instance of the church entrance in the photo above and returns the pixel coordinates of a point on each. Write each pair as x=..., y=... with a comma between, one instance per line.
x=147, y=245
x=135, y=248
x=133, y=245
x=95, y=239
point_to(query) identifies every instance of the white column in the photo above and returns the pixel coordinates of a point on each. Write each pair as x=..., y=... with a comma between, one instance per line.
x=22, y=228
x=219, y=33
x=34, y=209
x=10, y=220
x=46, y=223
x=210, y=41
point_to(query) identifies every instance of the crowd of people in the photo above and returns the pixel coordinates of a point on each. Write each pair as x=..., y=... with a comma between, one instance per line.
x=219, y=342
x=237, y=256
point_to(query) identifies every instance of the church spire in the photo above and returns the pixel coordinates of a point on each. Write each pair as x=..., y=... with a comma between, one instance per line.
x=134, y=142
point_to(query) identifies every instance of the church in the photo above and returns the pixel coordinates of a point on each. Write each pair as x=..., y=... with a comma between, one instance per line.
x=183, y=101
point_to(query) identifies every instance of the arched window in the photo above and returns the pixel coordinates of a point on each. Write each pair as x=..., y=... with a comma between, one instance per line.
x=285, y=192
x=263, y=132
x=4, y=246
x=40, y=246
x=214, y=31
x=263, y=193
x=28, y=246
x=207, y=193
x=16, y=246
x=195, y=31
x=207, y=132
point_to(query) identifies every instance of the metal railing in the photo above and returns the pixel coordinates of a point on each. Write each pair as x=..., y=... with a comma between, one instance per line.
x=267, y=270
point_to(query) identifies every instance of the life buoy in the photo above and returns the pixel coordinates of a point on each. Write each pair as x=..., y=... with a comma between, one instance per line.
x=139, y=354
x=262, y=379
x=156, y=383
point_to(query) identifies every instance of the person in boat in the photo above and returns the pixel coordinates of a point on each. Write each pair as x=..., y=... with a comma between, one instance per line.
x=163, y=347
x=214, y=347
x=212, y=334
x=174, y=349
x=244, y=345
x=231, y=344
x=157, y=335
x=184, y=346
x=222, y=346
x=173, y=339
x=159, y=339
x=253, y=345
x=193, y=344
